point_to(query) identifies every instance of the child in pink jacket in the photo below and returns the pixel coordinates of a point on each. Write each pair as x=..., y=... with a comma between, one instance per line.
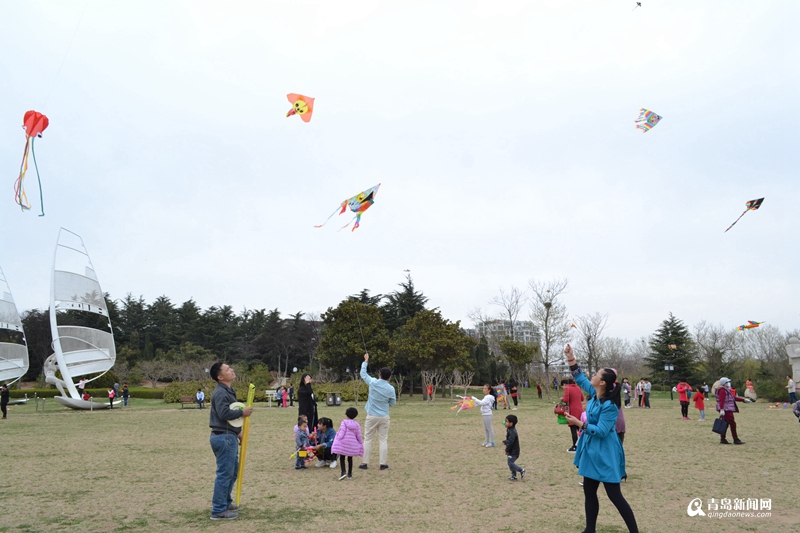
x=348, y=443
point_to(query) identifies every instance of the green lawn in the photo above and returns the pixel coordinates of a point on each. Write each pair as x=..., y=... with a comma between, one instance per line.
x=149, y=468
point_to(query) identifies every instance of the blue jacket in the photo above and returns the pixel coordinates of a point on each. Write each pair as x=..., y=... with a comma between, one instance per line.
x=599, y=455
x=326, y=439
x=381, y=394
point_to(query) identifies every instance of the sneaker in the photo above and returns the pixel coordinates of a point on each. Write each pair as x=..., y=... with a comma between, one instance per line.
x=349, y=478
x=490, y=445
x=724, y=441
x=320, y=464
x=737, y=441
x=363, y=466
x=512, y=478
x=224, y=515
x=384, y=467
x=342, y=477
x=233, y=507
x=485, y=444
x=522, y=474
x=334, y=464
x=580, y=483
x=572, y=450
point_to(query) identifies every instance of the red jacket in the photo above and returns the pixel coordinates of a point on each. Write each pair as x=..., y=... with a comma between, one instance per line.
x=700, y=401
x=682, y=388
x=573, y=397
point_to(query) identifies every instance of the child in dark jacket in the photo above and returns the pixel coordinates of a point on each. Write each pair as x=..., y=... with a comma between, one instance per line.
x=512, y=448
x=301, y=441
x=326, y=434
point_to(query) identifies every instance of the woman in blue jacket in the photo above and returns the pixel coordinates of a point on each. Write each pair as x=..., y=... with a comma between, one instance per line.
x=599, y=456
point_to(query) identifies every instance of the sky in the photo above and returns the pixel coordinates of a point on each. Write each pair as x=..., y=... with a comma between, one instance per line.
x=502, y=134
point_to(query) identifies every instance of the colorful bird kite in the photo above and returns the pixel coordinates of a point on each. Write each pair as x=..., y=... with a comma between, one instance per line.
x=34, y=123
x=301, y=105
x=465, y=403
x=647, y=120
x=750, y=325
x=752, y=205
x=357, y=204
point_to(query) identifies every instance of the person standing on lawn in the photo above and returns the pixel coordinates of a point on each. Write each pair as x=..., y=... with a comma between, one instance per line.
x=4, y=397
x=700, y=404
x=381, y=397
x=792, y=389
x=726, y=405
x=573, y=397
x=225, y=440
x=487, y=405
x=600, y=457
x=683, y=398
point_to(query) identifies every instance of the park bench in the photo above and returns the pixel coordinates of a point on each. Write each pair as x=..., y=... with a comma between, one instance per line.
x=272, y=395
x=188, y=400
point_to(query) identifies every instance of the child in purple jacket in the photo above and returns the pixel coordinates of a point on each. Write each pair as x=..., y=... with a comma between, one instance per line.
x=348, y=443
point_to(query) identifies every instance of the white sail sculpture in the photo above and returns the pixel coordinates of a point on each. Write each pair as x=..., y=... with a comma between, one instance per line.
x=13, y=355
x=79, y=350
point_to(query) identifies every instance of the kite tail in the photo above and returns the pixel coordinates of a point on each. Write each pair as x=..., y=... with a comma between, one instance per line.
x=737, y=220
x=39, y=179
x=339, y=209
x=358, y=222
x=356, y=218
x=20, y=197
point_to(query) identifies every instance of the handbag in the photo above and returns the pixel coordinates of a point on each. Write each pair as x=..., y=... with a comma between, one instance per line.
x=720, y=426
x=561, y=409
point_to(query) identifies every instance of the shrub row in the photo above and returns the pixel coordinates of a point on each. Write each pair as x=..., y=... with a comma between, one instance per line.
x=153, y=394
x=175, y=390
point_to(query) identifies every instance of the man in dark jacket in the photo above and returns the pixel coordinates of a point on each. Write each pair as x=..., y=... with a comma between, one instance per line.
x=4, y=396
x=225, y=440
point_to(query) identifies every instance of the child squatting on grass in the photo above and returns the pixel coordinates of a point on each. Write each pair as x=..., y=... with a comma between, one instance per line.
x=512, y=448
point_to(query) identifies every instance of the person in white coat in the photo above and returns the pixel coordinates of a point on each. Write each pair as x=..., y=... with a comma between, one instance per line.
x=487, y=405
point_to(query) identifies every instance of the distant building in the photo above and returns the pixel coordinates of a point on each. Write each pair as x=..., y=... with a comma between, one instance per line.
x=498, y=330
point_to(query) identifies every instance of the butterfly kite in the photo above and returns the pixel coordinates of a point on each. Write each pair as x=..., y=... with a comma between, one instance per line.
x=752, y=205
x=647, y=120
x=465, y=403
x=301, y=105
x=34, y=123
x=750, y=325
x=357, y=204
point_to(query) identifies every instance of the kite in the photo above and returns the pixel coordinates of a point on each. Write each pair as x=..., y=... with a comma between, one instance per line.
x=752, y=205
x=750, y=325
x=34, y=123
x=647, y=120
x=638, y=4
x=301, y=105
x=501, y=398
x=357, y=204
x=465, y=403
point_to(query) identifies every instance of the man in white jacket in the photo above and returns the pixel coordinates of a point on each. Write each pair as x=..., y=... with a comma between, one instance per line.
x=487, y=404
x=381, y=397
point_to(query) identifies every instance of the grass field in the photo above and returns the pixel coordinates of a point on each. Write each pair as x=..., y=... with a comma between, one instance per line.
x=149, y=468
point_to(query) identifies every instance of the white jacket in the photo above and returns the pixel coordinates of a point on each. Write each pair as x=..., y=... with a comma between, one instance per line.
x=486, y=404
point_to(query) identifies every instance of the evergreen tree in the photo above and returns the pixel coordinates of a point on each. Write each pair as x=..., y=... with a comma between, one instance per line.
x=402, y=305
x=672, y=344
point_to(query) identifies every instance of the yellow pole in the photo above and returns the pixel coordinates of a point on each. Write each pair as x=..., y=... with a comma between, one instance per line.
x=243, y=448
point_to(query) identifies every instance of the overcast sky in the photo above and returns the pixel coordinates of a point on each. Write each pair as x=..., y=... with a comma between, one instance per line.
x=502, y=133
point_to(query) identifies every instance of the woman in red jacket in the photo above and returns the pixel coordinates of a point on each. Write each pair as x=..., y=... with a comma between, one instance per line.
x=682, y=387
x=573, y=397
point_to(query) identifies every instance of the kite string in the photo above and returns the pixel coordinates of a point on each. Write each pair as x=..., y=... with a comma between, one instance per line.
x=64, y=59
x=362, y=331
x=38, y=178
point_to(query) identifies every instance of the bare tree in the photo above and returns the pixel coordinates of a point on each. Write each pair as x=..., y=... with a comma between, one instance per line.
x=549, y=314
x=433, y=378
x=327, y=375
x=512, y=303
x=718, y=347
x=590, y=330
x=152, y=370
x=466, y=380
x=398, y=381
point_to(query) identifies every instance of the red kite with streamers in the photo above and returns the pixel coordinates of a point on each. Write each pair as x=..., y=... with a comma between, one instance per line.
x=301, y=105
x=34, y=123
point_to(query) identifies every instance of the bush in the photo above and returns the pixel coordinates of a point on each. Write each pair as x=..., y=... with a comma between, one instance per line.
x=146, y=393
x=176, y=389
x=153, y=394
x=771, y=390
x=321, y=391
